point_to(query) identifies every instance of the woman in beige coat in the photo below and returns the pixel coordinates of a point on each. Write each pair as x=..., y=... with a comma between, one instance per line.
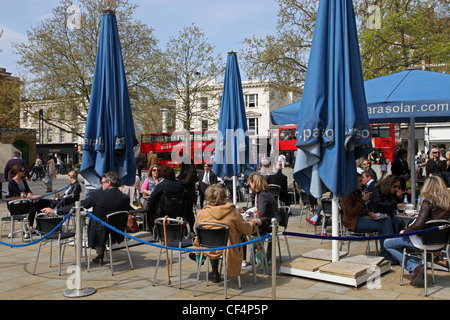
x=219, y=211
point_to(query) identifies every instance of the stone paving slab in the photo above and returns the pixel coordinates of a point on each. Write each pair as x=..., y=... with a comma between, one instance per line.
x=18, y=283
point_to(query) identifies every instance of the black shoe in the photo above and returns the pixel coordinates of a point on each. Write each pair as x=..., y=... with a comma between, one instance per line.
x=98, y=260
x=214, y=277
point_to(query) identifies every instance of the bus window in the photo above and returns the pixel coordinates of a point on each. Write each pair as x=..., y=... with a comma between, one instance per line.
x=286, y=134
x=158, y=138
x=210, y=136
x=382, y=131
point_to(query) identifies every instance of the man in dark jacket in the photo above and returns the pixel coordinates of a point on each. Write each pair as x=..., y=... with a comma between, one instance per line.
x=205, y=179
x=280, y=179
x=108, y=200
x=16, y=160
x=169, y=184
x=400, y=168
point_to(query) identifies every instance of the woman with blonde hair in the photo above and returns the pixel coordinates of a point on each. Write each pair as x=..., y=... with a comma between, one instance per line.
x=265, y=202
x=218, y=210
x=435, y=205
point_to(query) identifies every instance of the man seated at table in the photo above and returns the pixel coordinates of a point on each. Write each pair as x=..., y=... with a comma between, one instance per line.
x=357, y=218
x=108, y=200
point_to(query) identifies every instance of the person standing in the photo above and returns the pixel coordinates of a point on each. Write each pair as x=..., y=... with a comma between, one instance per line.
x=188, y=177
x=281, y=180
x=51, y=171
x=140, y=162
x=16, y=160
x=367, y=166
x=205, y=179
x=435, y=164
x=152, y=159
x=400, y=168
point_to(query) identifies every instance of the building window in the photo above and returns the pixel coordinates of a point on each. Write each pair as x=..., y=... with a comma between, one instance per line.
x=61, y=136
x=204, y=103
x=253, y=126
x=49, y=135
x=251, y=100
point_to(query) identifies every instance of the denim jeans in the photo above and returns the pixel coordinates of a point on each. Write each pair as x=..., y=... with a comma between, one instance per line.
x=383, y=226
x=395, y=247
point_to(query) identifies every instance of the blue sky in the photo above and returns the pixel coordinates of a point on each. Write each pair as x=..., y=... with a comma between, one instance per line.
x=225, y=22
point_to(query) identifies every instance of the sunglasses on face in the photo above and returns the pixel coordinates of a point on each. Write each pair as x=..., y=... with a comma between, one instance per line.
x=396, y=186
x=155, y=170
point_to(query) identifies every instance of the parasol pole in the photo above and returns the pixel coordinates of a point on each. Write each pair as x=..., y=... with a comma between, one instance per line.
x=77, y=290
x=335, y=229
x=234, y=190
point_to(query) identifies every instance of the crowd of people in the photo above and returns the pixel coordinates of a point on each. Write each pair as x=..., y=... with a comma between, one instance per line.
x=375, y=204
x=372, y=206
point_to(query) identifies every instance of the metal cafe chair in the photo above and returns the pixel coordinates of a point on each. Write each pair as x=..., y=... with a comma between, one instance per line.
x=212, y=235
x=45, y=225
x=117, y=220
x=18, y=211
x=440, y=238
x=170, y=230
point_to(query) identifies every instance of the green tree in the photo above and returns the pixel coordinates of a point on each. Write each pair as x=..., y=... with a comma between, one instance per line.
x=410, y=34
x=283, y=58
x=188, y=70
x=61, y=57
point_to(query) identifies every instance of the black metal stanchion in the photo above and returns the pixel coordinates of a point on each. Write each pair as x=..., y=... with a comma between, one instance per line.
x=78, y=291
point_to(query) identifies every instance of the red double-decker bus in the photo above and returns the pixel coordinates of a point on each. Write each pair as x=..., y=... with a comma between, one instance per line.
x=383, y=139
x=172, y=147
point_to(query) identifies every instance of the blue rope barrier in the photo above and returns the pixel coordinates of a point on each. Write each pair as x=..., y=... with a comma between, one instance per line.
x=263, y=238
x=407, y=234
x=38, y=240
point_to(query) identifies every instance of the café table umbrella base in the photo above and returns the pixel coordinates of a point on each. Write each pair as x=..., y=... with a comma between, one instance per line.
x=77, y=293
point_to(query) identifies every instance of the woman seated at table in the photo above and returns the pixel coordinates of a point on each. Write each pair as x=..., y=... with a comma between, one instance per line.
x=265, y=202
x=387, y=198
x=435, y=205
x=356, y=217
x=73, y=188
x=219, y=211
x=18, y=187
x=150, y=183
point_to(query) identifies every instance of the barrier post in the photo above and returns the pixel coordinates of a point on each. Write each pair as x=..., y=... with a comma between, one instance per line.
x=274, y=257
x=78, y=291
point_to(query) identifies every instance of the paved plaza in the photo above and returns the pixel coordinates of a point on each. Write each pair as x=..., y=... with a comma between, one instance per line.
x=18, y=283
